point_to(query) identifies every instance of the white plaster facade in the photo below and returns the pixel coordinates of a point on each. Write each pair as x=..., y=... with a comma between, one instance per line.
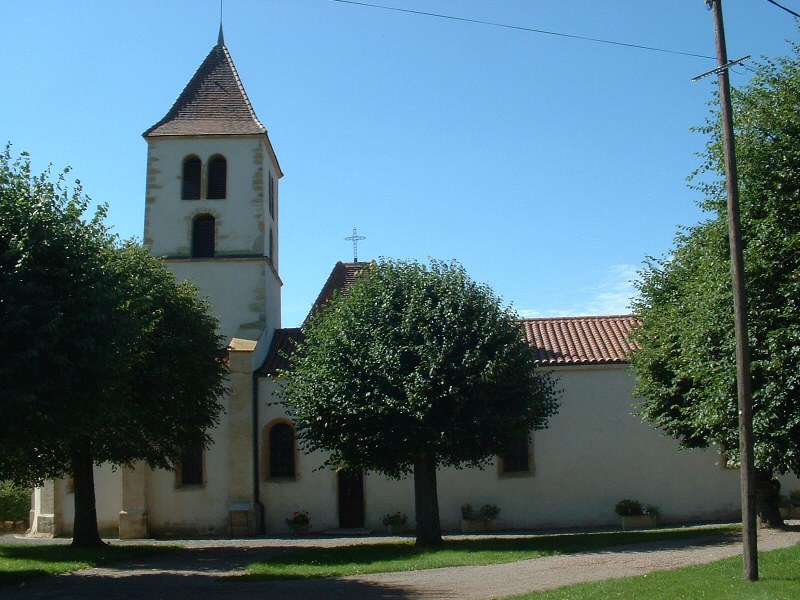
x=594, y=453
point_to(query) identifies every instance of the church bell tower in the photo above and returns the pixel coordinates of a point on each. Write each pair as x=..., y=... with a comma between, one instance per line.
x=212, y=200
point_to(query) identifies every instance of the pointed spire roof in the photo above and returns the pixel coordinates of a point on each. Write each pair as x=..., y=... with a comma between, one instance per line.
x=212, y=103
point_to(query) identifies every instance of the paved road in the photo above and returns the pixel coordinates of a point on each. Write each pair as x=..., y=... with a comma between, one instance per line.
x=207, y=570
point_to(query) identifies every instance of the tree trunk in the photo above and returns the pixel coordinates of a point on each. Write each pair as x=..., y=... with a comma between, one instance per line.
x=84, y=532
x=426, y=501
x=767, y=499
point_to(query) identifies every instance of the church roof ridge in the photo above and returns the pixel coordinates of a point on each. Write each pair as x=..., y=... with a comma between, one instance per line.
x=214, y=102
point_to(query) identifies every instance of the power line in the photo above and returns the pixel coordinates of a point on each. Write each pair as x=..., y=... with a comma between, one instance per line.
x=528, y=29
x=791, y=12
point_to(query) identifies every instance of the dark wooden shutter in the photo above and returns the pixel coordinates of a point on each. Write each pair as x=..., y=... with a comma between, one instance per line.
x=203, y=236
x=191, y=178
x=517, y=460
x=191, y=467
x=271, y=196
x=217, y=178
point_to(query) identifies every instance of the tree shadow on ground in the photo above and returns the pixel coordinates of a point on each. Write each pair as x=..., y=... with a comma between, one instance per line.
x=198, y=586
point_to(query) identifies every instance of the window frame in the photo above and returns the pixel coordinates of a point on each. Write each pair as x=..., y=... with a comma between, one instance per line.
x=519, y=467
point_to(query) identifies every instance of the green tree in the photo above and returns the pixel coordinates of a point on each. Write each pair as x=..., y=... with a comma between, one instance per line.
x=106, y=358
x=686, y=365
x=414, y=368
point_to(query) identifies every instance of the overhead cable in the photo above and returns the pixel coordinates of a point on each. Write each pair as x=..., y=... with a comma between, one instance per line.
x=528, y=29
x=791, y=12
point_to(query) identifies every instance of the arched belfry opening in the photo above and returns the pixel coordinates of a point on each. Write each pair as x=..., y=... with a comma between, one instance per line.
x=203, y=236
x=217, y=178
x=190, y=188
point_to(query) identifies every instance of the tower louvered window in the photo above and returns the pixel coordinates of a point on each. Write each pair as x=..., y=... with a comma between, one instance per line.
x=271, y=196
x=191, y=178
x=271, y=246
x=203, y=236
x=217, y=178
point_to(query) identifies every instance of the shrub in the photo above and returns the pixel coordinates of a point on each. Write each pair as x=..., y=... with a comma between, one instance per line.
x=629, y=508
x=397, y=518
x=15, y=502
x=487, y=512
x=652, y=510
x=467, y=512
x=299, y=518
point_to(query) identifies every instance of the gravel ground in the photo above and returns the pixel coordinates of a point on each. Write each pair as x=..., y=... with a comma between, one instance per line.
x=207, y=570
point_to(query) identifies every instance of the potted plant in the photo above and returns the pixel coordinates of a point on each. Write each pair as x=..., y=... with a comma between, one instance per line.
x=789, y=505
x=395, y=522
x=636, y=516
x=479, y=521
x=299, y=522
x=794, y=501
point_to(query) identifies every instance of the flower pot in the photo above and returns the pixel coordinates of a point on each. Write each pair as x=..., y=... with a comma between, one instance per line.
x=299, y=529
x=478, y=525
x=639, y=522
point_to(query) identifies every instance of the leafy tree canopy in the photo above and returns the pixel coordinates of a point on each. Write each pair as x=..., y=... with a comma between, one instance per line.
x=415, y=367
x=106, y=358
x=686, y=366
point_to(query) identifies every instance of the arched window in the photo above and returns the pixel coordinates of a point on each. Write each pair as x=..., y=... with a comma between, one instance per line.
x=191, y=178
x=217, y=177
x=203, y=236
x=281, y=451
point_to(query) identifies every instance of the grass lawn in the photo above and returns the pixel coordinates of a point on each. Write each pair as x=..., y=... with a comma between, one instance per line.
x=306, y=563
x=19, y=562
x=722, y=580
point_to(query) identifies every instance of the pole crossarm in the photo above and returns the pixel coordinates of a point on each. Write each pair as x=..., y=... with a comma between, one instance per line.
x=719, y=70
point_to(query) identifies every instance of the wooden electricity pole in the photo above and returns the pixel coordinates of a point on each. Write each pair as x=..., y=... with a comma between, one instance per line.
x=743, y=379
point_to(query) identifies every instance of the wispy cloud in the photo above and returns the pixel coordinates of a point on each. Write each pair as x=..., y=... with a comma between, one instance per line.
x=611, y=296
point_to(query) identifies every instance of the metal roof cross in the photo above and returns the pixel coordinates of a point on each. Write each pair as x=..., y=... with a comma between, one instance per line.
x=355, y=238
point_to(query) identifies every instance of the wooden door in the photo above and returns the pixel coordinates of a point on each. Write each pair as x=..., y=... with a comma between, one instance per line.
x=351, y=499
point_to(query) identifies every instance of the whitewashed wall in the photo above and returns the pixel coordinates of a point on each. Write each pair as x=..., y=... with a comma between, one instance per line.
x=594, y=453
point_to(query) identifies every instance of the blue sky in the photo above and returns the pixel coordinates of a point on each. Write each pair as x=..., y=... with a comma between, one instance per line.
x=550, y=167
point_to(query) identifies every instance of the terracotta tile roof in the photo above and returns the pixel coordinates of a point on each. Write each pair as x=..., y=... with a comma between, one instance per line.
x=212, y=103
x=339, y=280
x=580, y=340
x=283, y=344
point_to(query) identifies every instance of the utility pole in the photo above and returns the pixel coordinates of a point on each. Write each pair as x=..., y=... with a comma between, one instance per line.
x=743, y=378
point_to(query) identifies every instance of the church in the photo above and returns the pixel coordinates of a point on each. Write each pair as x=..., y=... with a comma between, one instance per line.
x=212, y=211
